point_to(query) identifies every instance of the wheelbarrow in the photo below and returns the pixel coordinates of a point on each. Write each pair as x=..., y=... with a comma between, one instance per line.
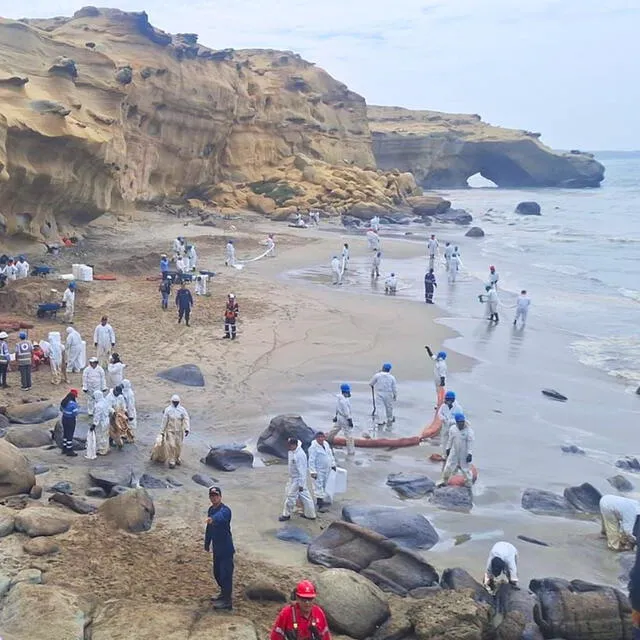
x=41, y=271
x=48, y=309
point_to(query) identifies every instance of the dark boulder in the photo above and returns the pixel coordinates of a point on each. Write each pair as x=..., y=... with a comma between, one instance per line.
x=273, y=440
x=132, y=511
x=151, y=482
x=453, y=498
x=14, y=81
x=75, y=504
x=398, y=525
x=581, y=610
x=585, y=498
x=475, y=232
x=546, y=503
x=108, y=478
x=516, y=606
x=203, y=480
x=31, y=412
x=457, y=579
x=410, y=485
x=61, y=487
x=573, y=449
x=65, y=67
x=528, y=209
x=124, y=75
x=456, y=216
x=228, y=459
x=290, y=533
x=628, y=464
x=186, y=374
x=620, y=483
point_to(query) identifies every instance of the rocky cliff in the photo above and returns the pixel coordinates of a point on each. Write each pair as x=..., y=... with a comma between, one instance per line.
x=102, y=110
x=443, y=150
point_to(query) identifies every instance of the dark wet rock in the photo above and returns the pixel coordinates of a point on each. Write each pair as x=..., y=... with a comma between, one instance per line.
x=391, y=567
x=516, y=607
x=79, y=435
x=456, y=216
x=273, y=440
x=186, y=374
x=585, y=498
x=14, y=81
x=397, y=627
x=293, y=534
x=398, y=525
x=228, y=459
x=36, y=492
x=132, y=511
x=108, y=478
x=50, y=107
x=61, y=487
x=554, y=395
x=95, y=492
x=410, y=485
x=150, y=482
x=31, y=412
x=75, y=504
x=457, y=579
x=620, y=483
x=528, y=209
x=453, y=498
x=173, y=482
x=573, y=449
x=533, y=541
x=39, y=469
x=638, y=391
x=581, y=610
x=28, y=437
x=203, y=480
x=65, y=67
x=124, y=75
x=628, y=464
x=264, y=591
x=475, y=232
x=118, y=490
x=546, y=503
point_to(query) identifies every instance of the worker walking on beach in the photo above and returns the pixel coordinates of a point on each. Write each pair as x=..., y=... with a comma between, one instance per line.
x=454, y=267
x=493, y=277
x=100, y=423
x=165, y=291
x=75, y=359
x=297, y=484
x=302, y=620
x=430, y=285
x=439, y=373
x=501, y=565
x=618, y=521
x=321, y=463
x=373, y=240
x=336, y=271
x=385, y=392
x=230, y=316
x=491, y=300
x=93, y=379
x=343, y=419
x=458, y=451
x=345, y=256
x=446, y=413
x=522, y=308
x=219, y=540
x=375, y=265
x=104, y=339
x=69, y=302
x=230, y=260
x=448, y=252
x=184, y=302
x=69, y=408
x=175, y=427
x=432, y=250
x=24, y=353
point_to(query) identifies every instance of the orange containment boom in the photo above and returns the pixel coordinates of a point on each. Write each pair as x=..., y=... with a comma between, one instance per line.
x=381, y=443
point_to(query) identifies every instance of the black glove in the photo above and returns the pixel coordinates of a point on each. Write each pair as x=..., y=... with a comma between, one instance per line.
x=428, y=348
x=469, y=457
x=447, y=452
x=333, y=468
x=350, y=422
x=92, y=427
x=84, y=391
x=206, y=549
x=442, y=381
x=335, y=419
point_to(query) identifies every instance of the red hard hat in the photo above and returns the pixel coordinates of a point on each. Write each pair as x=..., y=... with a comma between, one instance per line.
x=73, y=392
x=305, y=589
x=492, y=267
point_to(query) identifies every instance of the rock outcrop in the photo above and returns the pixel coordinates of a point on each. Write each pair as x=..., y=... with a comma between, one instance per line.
x=16, y=474
x=443, y=150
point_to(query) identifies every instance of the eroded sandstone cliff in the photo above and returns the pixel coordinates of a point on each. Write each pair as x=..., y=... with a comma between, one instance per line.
x=443, y=150
x=102, y=110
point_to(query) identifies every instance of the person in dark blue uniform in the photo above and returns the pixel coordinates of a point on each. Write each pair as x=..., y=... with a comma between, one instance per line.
x=218, y=538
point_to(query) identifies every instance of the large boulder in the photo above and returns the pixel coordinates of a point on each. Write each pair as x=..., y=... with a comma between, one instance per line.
x=629, y=463
x=31, y=412
x=41, y=521
x=264, y=591
x=475, y=232
x=410, y=485
x=528, y=209
x=273, y=440
x=457, y=579
x=456, y=216
x=546, y=503
x=186, y=374
x=579, y=610
x=584, y=498
x=428, y=205
x=43, y=612
x=7, y=520
x=28, y=437
x=620, y=483
x=41, y=546
x=131, y=511
x=453, y=498
x=393, y=568
x=515, y=608
x=398, y=525
x=16, y=474
x=342, y=593
x=229, y=458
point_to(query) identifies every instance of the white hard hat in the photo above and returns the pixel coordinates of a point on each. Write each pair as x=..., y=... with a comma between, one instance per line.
x=3, y=334
x=175, y=398
x=232, y=295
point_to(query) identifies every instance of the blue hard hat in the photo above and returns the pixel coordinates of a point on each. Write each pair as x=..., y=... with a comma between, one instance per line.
x=386, y=366
x=442, y=355
x=459, y=417
x=72, y=285
x=450, y=395
x=344, y=387
x=22, y=335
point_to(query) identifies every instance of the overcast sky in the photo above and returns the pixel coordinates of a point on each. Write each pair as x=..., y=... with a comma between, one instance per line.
x=567, y=68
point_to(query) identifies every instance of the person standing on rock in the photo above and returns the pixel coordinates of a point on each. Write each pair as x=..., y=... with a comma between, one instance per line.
x=522, y=308
x=24, y=354
x=5, y=359
x=432, y=250
x=343, y=419
x=75, y=359
x=93, y=379
x=321, y=463
x=184, y=302
x=69, y=408
x=385, y=392
x=458, y=452
x=439, y=373
x=618, y=519
x=336, y=271
x=430, y=285
x=297, y=484
x=176, y=426
x=218, y=538
x=69, y=302
x=231, y=254
x=375, y=265
x=104, y=339
x=302, y=620
x=100, y=423
x=230, y=316
x=165, y=291
x=502, y=562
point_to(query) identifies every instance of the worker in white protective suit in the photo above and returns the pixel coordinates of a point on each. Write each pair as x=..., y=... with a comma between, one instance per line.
x=493, y=277
x=230, y=259
x=93, y=379
x=176, y=426
x=182, y=264
x=297, y=485
x=618, y=519
x=432, y=250
x=178, y=247
x=56, y=351
x=502, y=565
x=373, y=240
x=375, y=265
x=439, y=373
x=454, y=266
x=345, y=256
x=491, y=299
x=447, y=410
x=321, y=462
x=100, y=423
x=104, y=339
x=69, y=302
x=391, y=285
x=192, y=257
x=74, y=351
x=336, y=270
x=115, y=369
x=384, y=389
x=448, y=252
x=23, y=268
x=522, y=308
x=271, y=246
x=130, y=404
x=458, y=451
x=343, y=419
x=374, y=223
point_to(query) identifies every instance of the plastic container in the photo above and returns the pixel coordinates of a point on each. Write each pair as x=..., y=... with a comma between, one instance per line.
x=86, y=273
x=341, y=480
x=75, y=270
x=83, y=355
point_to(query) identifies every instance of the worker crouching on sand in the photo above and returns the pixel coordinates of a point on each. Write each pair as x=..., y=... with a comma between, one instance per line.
x=501, y=565
x=302, y=620
x=176, y=426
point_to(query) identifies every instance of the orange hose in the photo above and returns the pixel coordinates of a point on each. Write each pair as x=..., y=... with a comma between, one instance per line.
x=373, y=443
